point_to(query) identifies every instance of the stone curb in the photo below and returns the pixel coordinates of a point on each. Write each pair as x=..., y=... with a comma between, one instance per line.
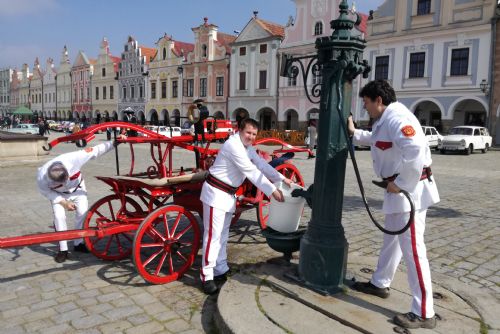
x=237, y=311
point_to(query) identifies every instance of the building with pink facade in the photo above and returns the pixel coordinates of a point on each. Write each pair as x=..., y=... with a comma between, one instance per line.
x=81, y=72
x=312, y=20
x=206, y=70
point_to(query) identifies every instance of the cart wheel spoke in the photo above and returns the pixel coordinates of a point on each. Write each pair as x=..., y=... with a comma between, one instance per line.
x=159, y=244
x=171, y=264
x=181, y=233
x=111, y=211
x=160, y=265
x=165, y=225
x=152, y=257
x=176, y=223
x=101, y=215
x=156, y=233
x=182, y=256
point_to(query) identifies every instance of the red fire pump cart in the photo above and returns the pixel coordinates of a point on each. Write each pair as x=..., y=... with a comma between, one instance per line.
x=149, y=214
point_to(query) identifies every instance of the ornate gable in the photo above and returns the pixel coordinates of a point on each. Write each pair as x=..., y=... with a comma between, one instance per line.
x=252, y=31
x=81, y=60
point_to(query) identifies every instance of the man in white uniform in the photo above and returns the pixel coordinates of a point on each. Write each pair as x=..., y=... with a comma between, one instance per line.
x=61, y=182
x=235, y=161
x=402, y=157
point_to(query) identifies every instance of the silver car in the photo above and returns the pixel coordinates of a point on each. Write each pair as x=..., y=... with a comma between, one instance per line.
x=30, y=129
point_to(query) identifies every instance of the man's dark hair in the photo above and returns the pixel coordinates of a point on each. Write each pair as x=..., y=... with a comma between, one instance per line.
x=57, y=172
x=377, y=88
x=249, y=121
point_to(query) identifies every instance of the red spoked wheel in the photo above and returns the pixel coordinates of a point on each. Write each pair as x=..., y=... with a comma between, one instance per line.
x=291, y=172
x=107, y=212
x=166, y=244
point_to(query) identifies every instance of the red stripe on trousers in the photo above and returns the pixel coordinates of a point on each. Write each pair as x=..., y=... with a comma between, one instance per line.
x=419, y=271
x=209, y=239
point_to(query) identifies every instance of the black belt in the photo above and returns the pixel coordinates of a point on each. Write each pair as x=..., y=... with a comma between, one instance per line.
x=426, y=174
x=216, y=183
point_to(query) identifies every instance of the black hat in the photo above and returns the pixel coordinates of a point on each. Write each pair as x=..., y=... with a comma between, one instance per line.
x=198, y=101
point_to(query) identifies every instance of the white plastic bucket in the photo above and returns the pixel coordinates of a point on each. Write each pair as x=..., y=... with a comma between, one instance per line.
x=285, y=216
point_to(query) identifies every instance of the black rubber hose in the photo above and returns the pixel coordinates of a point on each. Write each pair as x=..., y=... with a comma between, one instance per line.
x=362, y=189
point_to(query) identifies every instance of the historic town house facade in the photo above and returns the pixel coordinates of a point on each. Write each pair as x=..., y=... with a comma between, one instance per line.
x=254, y=72
x=105, y=84
x=132, y=81
x=64, y=87
x=206, y=71
x=435, y=53
x=165, y=81
x=81, y=72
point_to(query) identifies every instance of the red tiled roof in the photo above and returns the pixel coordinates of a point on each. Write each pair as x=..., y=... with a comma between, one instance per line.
x=273, y=28
x=150, y=53
x=224, y=40
x=364, y=21
x=182, y=48
x=116, y=61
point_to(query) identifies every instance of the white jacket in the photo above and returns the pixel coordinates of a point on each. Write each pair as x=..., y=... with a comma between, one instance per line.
x=233, y=164
x=73, y=162
x=398, y=146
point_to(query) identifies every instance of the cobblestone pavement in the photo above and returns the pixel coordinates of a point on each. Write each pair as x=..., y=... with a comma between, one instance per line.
x=88, y=295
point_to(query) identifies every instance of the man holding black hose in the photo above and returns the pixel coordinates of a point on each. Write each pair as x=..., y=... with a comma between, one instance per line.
x=401, y=157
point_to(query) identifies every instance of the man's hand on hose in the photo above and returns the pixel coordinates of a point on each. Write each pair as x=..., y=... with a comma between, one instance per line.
x=393, y=188
x=278, y=195
x=350, y=126
x=68, y=205
x=121, y=136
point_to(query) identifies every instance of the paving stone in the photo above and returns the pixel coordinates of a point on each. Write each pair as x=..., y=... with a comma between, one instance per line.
x=68, y=316
x=89, y=322
x=58, y=329
x=123, y=312
x=150, y=327
x=177, y=325
x=118, y=326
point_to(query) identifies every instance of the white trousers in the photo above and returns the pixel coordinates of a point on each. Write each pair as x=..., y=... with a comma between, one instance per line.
x=411, y=246
x=79, y=197
x=216, y=224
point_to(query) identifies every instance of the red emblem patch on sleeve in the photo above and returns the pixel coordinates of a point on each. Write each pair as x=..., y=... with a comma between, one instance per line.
x=408, y=131
x=89, y=149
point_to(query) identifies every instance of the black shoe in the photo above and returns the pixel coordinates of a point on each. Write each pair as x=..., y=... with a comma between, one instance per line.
x=61, y=256
x=369, y=288
x=81, y=248
x=223, y=277
x=209, y=287
x=411, y=320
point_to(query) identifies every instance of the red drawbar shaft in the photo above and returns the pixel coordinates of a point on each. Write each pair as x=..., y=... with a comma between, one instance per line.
x=41, y=238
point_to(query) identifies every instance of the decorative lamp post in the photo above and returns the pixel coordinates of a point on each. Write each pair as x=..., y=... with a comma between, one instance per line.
x=324, y=248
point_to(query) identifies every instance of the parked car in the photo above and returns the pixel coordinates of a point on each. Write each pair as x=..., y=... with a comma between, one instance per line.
x=466, y=139
x=433, y=136
x=168, y=131
x=31, y=129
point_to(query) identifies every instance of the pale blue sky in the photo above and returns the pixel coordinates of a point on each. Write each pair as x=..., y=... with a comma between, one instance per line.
x=31, y=28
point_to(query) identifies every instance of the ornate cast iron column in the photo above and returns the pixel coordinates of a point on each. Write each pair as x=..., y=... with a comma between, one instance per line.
x=324, y=248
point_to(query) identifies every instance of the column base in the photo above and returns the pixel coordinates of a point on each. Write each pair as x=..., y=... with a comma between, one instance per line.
x=323, y=266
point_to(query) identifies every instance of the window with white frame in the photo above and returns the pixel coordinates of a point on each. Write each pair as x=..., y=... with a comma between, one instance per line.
x=219, y=86
x=318, y=28
x=459, y=64
x=423, y=7
x=382, y=68
x=203, y=87
x=417, y=65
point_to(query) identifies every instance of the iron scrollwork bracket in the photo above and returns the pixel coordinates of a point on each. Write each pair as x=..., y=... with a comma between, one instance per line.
x=291, y=67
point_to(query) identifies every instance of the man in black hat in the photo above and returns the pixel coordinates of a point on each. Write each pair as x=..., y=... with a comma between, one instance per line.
x=199, y=128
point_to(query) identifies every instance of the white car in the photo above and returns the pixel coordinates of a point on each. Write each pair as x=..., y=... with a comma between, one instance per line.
x=168, y=131
x=433, y=136
x=466, y=139
x=30, y=129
